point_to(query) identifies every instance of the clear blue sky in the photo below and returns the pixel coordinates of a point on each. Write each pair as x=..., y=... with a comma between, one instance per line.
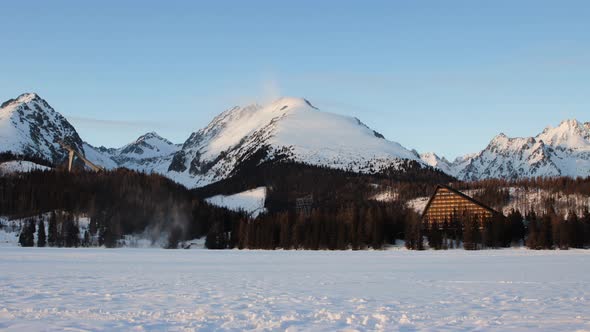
x=443, y=76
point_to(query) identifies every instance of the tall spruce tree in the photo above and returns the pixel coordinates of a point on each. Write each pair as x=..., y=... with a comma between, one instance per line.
x=27, y=234
x=86, y=242
x=52, y=236
x=471, y=233
x=585, y=221
x=413, y=232
x=41, y=237
x=72, y=233
x=516, y=229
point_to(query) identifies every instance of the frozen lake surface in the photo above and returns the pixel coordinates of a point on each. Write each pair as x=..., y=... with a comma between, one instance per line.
x=186, y=290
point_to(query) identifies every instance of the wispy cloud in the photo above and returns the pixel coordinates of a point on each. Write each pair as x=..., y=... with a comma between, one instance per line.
x=114, y=123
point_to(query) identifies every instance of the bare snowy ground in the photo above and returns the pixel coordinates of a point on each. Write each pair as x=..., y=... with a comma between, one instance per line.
x=186, y=290
x=20, y=166
x=250, y=201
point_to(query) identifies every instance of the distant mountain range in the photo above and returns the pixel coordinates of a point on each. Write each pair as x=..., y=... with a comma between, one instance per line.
x=289, y=129
x=557, y=151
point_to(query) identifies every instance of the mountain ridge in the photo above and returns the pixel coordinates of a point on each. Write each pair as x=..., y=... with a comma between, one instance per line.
x=289, y=129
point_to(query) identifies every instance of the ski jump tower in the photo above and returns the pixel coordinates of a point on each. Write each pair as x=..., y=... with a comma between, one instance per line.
x=73, y=152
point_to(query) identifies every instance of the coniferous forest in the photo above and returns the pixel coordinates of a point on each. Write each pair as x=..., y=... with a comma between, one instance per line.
x=117, y=203
x=341, y=215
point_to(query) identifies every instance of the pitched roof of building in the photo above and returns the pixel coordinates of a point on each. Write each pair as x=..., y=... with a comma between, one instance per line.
x=460, y=194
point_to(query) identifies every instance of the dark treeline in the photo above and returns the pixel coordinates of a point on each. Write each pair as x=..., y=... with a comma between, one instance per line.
x=331, y=188
x=121, y=202
x=342, y=211
x=118, y=203
x=553, y=231
x=471, y=233
x=369, y=225
x=547, y=231
x=302, y=175
x=62, y=231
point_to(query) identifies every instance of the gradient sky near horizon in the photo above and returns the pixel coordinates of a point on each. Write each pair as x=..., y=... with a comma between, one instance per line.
x=443, y=76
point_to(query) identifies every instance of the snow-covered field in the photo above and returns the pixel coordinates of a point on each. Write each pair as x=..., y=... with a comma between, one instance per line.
x=250, y=201
x=17, y=166
x=186, y=290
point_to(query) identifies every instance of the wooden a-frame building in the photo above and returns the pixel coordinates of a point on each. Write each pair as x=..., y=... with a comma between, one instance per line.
x=447, y=203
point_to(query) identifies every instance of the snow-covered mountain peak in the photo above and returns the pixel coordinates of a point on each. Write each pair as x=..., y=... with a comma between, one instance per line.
x=152, y=135
x=24, y=98
x=27, y=97
x=504, y=144
x=148, y=152
x=557, y=151
x=228, y=128
x=568, y=125
x=30, y=126
x=150, y=145
x=287, y=128
x=500, y=139
x=432, y=159
x=569, y=134
x=292, y=103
